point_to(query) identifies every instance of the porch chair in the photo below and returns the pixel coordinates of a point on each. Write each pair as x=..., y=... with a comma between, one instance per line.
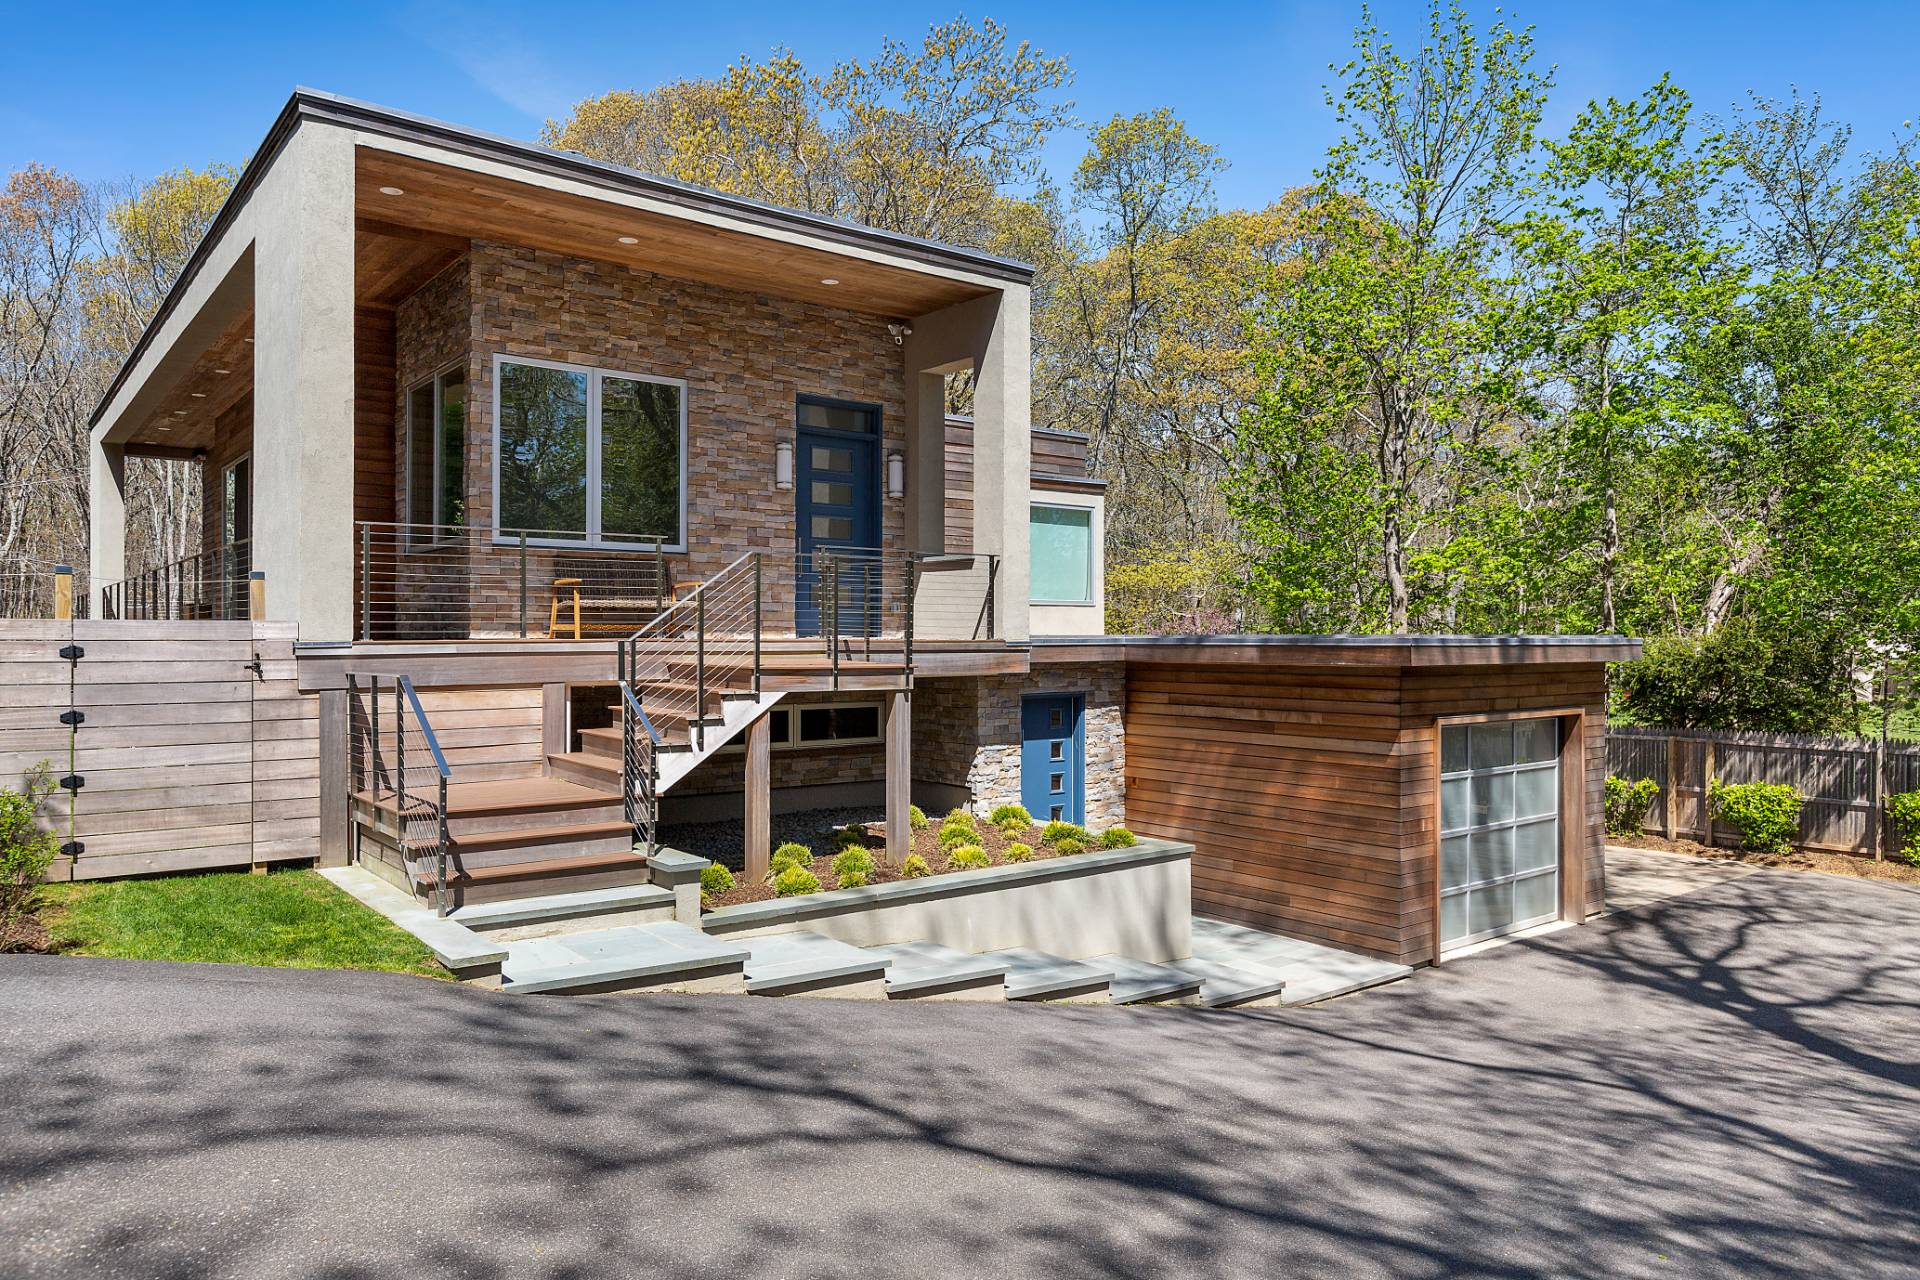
x=610, y=593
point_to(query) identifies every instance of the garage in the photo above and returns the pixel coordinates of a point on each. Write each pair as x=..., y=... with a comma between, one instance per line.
x=1499, y=828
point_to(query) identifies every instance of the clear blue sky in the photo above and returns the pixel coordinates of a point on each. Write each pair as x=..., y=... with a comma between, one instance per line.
x=117, y=90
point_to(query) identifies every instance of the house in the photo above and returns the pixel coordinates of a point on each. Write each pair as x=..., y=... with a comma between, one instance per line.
x=550, y=504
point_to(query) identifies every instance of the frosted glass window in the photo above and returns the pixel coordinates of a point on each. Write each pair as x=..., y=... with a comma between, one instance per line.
x=1062, y=555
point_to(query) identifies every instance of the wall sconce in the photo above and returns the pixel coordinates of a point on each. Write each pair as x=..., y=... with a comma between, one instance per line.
x=896, y=474
x=783, y=465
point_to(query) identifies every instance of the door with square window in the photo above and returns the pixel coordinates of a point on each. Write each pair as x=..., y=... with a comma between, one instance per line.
x=1499, y=828
x=837, y=505
x=1053, y=782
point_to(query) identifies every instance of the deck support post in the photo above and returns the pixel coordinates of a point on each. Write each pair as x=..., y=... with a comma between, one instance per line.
x=899, y=779
x=758, y=823
x=335, y=783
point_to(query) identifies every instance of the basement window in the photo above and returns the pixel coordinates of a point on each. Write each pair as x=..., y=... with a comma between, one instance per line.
x=588, y=457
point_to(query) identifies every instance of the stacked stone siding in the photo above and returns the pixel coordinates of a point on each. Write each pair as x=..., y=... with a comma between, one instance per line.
x=966, y=732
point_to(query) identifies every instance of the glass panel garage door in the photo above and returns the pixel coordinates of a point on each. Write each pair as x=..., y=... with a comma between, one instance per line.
x=1499, y=828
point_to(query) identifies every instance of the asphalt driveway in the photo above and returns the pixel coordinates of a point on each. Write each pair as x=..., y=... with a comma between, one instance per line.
x=1726, y=1083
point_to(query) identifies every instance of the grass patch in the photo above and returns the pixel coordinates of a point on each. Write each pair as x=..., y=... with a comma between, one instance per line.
x=286, y=919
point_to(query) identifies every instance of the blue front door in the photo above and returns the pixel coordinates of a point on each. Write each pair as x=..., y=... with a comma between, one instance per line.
x=1053, y=766
x=837, y=501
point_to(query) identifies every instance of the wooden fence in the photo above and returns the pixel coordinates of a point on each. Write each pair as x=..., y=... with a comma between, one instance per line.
x=1843, y=782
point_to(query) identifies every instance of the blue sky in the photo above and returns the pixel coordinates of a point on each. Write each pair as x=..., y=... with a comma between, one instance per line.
x=112, y=91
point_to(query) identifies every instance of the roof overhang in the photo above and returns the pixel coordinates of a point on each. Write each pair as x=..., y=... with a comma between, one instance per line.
x=1349, y=651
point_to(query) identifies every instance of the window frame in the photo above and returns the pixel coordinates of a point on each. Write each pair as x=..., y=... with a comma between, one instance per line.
x=791, y=742
x=443, y=533
x=595, y=375
x=1087, y=509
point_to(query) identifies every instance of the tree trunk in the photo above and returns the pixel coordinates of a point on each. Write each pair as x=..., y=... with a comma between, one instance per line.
x=1609, y=554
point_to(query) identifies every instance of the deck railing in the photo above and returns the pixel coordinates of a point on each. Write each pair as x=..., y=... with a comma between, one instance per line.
x=44, y=590
x=208, y=586
x=394, y=756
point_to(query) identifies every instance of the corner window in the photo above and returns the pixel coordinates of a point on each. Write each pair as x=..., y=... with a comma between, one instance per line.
x=585, y=456
x=437, y=451
x=1061, y=543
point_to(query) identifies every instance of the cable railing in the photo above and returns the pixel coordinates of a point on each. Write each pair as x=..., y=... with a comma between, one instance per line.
x=44, y=590
x=462, y=582
x=394, y=758
x=863, y=595
x=640, y=745
x=208, y=586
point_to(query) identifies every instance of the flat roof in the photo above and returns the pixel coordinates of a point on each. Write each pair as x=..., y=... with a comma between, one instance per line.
x=1371, y=650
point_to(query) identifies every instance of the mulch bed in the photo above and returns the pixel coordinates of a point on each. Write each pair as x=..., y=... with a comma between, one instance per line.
x=925, y=842
x=28, y=935
x=1837, y=864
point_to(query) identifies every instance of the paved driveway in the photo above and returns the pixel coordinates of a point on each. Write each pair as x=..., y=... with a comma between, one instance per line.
x=1726, y=1083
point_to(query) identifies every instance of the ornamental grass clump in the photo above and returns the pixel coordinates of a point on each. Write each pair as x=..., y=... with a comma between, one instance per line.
x=1070, y=845
x=715, y=880
x=916, y=817
x=789, y=855
x=848, y=836
x=1017, y=852
x=951, y=835
x=1626, y=805
x=960, y=818
x=1765, y=814
x=968, y=856
x=853, y=880
x=915, y=867
x=1118, y=838
x=1011, y=818
x=795, y=880
x=852, y=862
x=1054, y=832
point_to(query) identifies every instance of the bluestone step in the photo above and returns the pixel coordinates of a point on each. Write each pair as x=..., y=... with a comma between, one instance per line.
x=1223, y=986
x=1137, y=980
x=1038, y=975
x=551, y=913
x=1310, y=970
x=635, y=955
x=787, y=963
x=927, y=969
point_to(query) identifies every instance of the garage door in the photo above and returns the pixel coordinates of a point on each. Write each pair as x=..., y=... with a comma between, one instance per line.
x=1499, y=828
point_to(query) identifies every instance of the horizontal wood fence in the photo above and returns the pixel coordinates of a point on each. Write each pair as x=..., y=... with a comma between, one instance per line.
x=182, y=745
x=1843, y=782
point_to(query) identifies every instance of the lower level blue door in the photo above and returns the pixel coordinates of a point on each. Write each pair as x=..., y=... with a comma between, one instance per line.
x=1053, y=767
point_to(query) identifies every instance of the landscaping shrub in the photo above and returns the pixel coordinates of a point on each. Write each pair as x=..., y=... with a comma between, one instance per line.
x=1054, y=832
x=1627, y=804
x=1746, y=675
x=951, y=835
x=914, y=867
x=25, y=850
x=968, y=855
x=715, y=880
x=1011, y=817
x=1070, y=844
x=795, y=880
x=853, y=879
x=959, y=818
x=1017, y=852
x=1766, y=814
x=1118, y=838
x=850, y=836
x=852, y=861
x=1903, y=811
x=916, y=817
x=789, y=855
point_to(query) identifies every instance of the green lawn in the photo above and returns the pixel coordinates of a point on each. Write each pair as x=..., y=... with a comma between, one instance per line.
x=290, y=919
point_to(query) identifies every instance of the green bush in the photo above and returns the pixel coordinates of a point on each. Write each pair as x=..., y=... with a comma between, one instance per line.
x=1765, y=814
x=853, y=879
x=26, y=851
x=1746, y=675
x=1017, y=852
x=1054, y=832
x=789, y=855
x=968, y=855
x=1627, y=804
x=1118, y=838
x=916, y=817
x=951, y=835
x=914, y=867
x=1903, y=811
x=960, y=818
x=715, y=880
x=1012, y=817
x=852, y=861
x=848, y=836
x=1071, y=844
x=795, y=880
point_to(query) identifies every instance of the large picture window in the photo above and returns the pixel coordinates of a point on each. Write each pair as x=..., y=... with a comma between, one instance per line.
x=437, y=451
x=1061, y=541
x=588, y=456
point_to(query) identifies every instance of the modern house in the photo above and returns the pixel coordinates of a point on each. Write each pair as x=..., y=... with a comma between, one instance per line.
x=591, y=503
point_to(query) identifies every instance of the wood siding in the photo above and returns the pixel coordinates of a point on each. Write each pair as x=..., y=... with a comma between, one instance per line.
x=1055, y=453
x=1308, y=792
x=489, y=734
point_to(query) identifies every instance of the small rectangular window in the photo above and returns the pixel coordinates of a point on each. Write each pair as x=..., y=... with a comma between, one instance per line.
x=838, y=724
x=1062, y=551
x=1056, y=783
x=1056, y=750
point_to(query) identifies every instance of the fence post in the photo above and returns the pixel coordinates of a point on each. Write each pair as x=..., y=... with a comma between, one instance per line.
x=63, y=593
x=1673, y=786
x=257, y=595
x=1707, y=763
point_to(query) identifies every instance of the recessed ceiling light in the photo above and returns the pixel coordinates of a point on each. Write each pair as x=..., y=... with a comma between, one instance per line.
x=179, y=413
x=829, y=280
x=198, y=395
x=392, y=191
x=223, y=372
x=163, y=430
x=249, y=341
x=629, y=239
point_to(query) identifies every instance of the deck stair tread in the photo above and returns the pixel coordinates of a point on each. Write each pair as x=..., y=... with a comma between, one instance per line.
x=780, y=961
x=1137, y=980
x=661, y=951
x=1310, y=970
x=562, y=906
x=541, y=835
x=1222, y=985
x=928, y=966
x=1040, y=975
x=545, y=867
x=507, y=795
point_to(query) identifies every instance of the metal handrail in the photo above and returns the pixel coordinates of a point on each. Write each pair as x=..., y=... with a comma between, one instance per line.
x=407, y=804
x=640, y=778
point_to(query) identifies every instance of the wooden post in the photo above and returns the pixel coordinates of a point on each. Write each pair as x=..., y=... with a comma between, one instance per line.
x=257, y=595
x=899, y=781
x=63, y=593
x=1706, y=785
x=1672, y=815
x=553, y=719
x=759, y=799
x=1877, y=799
x=336, y=841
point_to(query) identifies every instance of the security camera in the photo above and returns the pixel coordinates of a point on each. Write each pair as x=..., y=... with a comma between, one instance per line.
x=901, y=331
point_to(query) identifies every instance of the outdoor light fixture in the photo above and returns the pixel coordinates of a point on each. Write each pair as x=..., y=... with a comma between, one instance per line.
x=896, y=474
x=783, y=465
x=629, y=239
x=901, y=331
x=392, y=191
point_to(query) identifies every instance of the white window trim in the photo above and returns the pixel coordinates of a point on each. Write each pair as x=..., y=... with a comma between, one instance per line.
x=436, y=489
x=1093, y=523
x=594, y=375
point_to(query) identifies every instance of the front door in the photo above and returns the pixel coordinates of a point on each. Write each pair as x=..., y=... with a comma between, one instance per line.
x=837, y=501
x=1053, y=780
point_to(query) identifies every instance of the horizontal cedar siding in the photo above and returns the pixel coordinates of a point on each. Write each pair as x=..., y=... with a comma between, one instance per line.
x=1059, y=455
x=1052, y=456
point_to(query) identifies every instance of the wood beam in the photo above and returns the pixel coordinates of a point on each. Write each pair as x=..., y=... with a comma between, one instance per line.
x=759, y=799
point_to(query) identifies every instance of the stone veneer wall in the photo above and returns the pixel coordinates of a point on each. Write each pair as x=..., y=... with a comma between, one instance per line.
x=966, y=732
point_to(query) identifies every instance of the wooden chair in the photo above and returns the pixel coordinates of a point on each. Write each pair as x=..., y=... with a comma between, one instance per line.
x=609, y=593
